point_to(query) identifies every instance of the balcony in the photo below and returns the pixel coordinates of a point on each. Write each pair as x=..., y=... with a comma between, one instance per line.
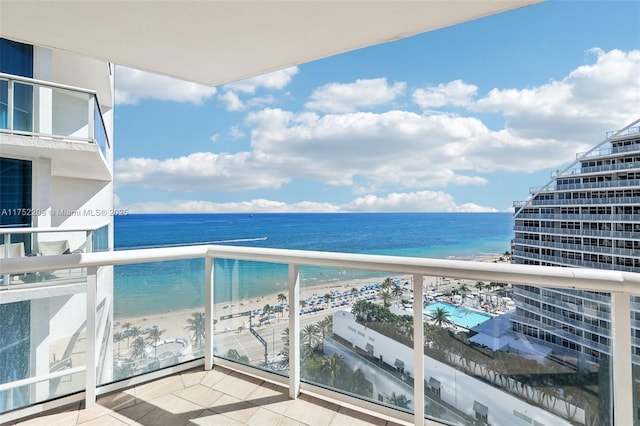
x=65, y=123
x=381, y=355
x=31, y=242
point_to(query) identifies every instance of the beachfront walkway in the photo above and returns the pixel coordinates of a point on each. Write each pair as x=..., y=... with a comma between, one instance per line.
x=216, y=397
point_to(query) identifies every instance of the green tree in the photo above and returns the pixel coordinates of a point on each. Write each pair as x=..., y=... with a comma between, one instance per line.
x=126, y=327
x=441, y=317
x=399, y=400
x=386, y=298
x=285, y=346
x=386, y=283
x=138, y=347
x=154, y=336
x=331, y=368
x=309, y=338
x=233, y=354
x=117, y=338
x=282, y=299
x=266, y=309
x=360, y=385
x=135, y=332
x=397, y=291
x=325, y=327
x=196, y=324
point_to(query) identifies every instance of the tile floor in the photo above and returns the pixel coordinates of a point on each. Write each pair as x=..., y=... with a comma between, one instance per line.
x=218, y=397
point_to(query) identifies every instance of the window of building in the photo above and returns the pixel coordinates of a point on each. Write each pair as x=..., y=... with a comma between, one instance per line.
x=17, y=59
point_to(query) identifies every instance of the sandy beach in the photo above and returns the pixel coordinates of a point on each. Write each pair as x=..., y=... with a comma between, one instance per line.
x=174, y=324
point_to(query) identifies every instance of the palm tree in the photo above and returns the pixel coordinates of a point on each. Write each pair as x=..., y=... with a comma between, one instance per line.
x=354, y=291
x=282, y=298
x=285, y=346
x=266, y=308
x=137, y=349
x=386, y=283
x=332, y=366
x=325, y=326
x=117, y=338
x=397, y=291
x=441, y=317
x=399, y=400
x=126, y=327
x=464, y=288
x=360, y=385
x=386, y=298
x=309, y=338
x=154, y=335
x=135, y=332
x=196, y=324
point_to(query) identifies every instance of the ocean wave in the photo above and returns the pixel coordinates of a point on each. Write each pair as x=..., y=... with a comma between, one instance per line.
x=235, y=240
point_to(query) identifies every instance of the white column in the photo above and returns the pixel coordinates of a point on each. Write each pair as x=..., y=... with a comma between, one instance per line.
x=43, y=110
x=39, y=341
x=294, y=331
x=41, y=171
x=208, y=313
x=91, y=332
x=418, y=351
x=622, y=374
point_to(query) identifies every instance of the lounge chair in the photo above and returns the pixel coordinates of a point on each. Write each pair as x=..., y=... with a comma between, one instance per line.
x=52, y=248
x=15, y=250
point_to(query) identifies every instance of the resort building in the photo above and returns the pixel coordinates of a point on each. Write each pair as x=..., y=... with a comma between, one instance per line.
x=588, y=215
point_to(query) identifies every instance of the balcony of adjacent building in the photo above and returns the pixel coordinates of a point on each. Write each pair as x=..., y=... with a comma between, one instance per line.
x=233, y=335
x=55, y=121
x=28, y=242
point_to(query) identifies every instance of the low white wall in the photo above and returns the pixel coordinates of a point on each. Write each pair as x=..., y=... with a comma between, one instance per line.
x=457, y=388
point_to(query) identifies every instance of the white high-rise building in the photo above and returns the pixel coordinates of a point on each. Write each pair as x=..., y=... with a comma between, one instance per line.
x=56, y=197
x=588, y=215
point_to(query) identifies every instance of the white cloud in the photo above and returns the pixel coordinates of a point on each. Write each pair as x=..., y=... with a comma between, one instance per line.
x=134, y=85
x=273, y=80
x=592, y=99
x=425, y=201
x=235, y=132
x=232, y=101
x=215, y=137
x=407, y=152
x=349, y=97
x=199, y=171
x=454, y=93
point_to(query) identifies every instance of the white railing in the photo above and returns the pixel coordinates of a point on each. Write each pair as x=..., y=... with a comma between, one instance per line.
x=38, y=241
x=62, y=101
x=621, y=285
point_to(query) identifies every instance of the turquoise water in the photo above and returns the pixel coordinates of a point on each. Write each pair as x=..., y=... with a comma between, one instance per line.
x=459, y=315
x=145, y=289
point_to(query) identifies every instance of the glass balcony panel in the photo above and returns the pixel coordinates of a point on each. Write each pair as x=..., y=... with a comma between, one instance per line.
x=158, y=316
x=494, y=354
x=42, y=348
x=69, y=114
x=22, y=107
x=4, y=104
x=251, y=313
x=355, y=337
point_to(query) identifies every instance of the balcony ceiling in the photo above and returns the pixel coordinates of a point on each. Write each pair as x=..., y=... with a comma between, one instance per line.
x=215, y=42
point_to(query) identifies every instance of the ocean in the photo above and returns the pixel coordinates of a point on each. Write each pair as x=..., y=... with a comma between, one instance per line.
x=145, y=289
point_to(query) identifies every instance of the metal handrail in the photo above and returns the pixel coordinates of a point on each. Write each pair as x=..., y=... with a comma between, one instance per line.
x=571, y=278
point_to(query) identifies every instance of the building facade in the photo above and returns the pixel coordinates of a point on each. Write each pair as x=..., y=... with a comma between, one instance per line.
x=56, y=197
x=588, y=215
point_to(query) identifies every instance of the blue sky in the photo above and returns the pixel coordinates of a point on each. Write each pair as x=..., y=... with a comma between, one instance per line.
x=466, y=118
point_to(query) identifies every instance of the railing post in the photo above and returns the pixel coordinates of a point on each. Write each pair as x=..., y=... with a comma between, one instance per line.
x=294, y=331
x=10, y=105
x=7, y=241
x=622, y=373
x=89, y=242
x=91, y=118
x=92, y=346
x=208, y=313
x=418, y=351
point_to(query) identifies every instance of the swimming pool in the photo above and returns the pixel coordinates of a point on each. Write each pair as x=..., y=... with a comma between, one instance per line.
x=459, y=315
